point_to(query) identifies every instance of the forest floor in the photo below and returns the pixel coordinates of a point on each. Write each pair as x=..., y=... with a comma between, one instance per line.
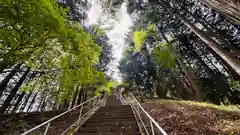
x=194, y=118
x=15, y=124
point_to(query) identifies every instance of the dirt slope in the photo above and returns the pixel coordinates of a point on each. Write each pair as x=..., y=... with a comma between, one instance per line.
x=15, y=124
x=192, y=118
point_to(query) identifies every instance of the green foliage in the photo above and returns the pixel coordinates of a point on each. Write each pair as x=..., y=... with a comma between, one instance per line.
x=37, y=34
x=125, y=84
x=139, y=38
x=126, y=52
x=24, y=88
x=97, y=31
x=25, y=34
x=151, y=27
x=163, y=55
x=106, y=87
x=234, y=84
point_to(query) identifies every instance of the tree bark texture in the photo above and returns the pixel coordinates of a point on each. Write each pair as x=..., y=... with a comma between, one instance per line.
x=13, y=92
x=226, y=55
x=18, y=102
x=5, y=81
x=228, y=8
x=25, y=102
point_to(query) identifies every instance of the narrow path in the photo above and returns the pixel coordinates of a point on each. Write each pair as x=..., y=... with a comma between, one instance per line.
x=113, y=101
x=112, y=119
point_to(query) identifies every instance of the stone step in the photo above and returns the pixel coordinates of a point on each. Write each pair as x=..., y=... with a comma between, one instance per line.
x=112, y=116
x=114, y=124
x=122, y=106
x=108, y=129
x=114, y=111
x=110, y=133
x=116, y=107
x=110, y=120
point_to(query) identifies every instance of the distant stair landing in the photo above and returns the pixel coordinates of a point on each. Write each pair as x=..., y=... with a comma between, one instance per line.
x=113, y=101
x=112, y=119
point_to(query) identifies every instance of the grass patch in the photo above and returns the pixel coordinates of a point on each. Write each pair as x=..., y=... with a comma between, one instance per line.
x=229, y=108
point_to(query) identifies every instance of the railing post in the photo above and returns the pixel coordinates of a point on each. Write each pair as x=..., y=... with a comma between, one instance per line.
x=136, y=108
x=60, y=115
x=45, y=132
x=149, y=117
x=153, y=133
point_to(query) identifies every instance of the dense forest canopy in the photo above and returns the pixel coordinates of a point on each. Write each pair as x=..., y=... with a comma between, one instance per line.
x=184, y=49
x=50, y=58
x=47, y=52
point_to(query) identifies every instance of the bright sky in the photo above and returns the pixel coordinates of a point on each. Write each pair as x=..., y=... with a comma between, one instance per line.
x=116, y=35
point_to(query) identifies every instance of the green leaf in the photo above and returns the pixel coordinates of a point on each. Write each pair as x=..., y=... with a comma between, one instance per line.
x=163, y=55
x=139, y=38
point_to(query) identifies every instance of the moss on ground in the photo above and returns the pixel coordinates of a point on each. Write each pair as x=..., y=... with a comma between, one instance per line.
x=227, y=108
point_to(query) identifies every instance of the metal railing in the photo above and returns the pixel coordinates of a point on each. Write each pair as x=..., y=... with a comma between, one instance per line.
x=93, y=102
x=121, y=99
x=139, y=112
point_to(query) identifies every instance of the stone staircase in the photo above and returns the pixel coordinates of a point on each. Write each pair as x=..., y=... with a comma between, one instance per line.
x=112, y=119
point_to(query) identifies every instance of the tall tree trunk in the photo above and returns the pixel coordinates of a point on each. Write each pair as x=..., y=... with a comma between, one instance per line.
x=204, y=53
x=13, y=92
x=185, y=81
x=74, y=97
x=226, y=55
x=214, y=34
x=65, y=104
x=192, y=79
x=25, y=102
x=217, y=37
x=186, y=85
x=177, y=87
x=5, y=81
x=190, y=76
x=159, y=89
x=231, y=60
x=182, y=81
x=80, y=95
x=23, y=93
x=56, y=100
x=42, y=101
x=32, y=102
x=43, y=105
x=228, y=8
x=76, y=100
x=18, y=102
x=56, y=103
x=192, y=52
x=85, y=97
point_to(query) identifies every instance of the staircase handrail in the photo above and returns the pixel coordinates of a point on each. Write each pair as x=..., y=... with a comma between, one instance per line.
x=151, y=120
x=54, y=118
